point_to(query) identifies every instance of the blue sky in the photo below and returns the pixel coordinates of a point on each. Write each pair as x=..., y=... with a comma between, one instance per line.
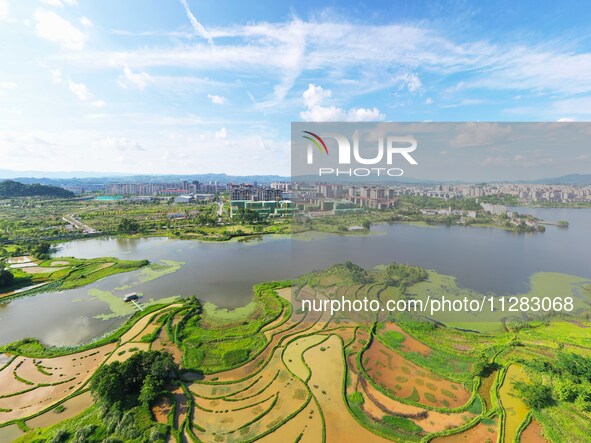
x=186, y=86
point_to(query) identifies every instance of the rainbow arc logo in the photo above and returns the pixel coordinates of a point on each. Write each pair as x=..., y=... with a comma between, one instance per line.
x=316, y=140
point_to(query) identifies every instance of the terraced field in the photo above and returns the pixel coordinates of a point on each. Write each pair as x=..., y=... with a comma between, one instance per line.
x=275, y=374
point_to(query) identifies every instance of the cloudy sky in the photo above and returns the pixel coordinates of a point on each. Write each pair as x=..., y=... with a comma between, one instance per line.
x=187, y=86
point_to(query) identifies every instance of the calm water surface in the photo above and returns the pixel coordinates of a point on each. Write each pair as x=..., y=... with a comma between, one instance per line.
x=487, y=260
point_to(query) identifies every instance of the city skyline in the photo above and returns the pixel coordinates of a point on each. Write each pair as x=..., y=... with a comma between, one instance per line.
x=196, y=87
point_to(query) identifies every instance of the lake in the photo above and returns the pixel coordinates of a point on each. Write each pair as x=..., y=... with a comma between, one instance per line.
x=484, y=259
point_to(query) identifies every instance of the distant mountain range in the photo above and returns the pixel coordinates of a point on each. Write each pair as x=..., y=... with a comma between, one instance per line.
x=570, y=179
x=90, y=179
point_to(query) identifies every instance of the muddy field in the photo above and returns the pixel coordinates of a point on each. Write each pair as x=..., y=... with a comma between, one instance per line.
x=409, y=381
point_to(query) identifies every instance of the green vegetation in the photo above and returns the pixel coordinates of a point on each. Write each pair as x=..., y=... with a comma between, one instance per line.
x=535, y=396
x=393, y=339
x=215, y=340
x=567, y=379
x=33, y=348
x=402, y=424
x=445, y=370
x=138, y=380
x=69, y=272
x=10, y=189
x=103, y=424
x=6, y=277
x=127, y=226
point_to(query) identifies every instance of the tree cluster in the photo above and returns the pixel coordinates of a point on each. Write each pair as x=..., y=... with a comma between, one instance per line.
x=11, y=188
x=6, y=277
x=140, y=379
x=396, y=274
x=571, y=382
x=128, y=226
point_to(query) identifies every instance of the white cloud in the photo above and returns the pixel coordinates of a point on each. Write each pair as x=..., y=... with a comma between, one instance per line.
x=478, y=135
x=4, y=9
x=53, y=3
x=315, y=95
x=364, y=115
x=429, y=101
x=216, y=99
x=98, y=103
x=565, y=120
x=120, y=144
x=221, y=134
x=56, y=75
x=60, y=3
x=6, y=86
x=56, y=29
x=345, y=51
x=197, y=26
x=85, y=21
x=412, y=82
x=138, y=79
x=80, y=90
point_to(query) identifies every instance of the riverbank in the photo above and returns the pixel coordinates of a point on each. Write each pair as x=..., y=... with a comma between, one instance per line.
x=64, y=273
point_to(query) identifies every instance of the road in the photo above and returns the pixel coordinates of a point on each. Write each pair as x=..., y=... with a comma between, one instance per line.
x=78, y=224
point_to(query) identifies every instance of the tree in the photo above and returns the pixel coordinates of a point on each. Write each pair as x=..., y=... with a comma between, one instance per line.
x=6, y=277
x=128, y=226
x=149, y=390
x=565, y=389
x=482, y=367
x=41, y=250
x=536, y=396
x=140, y=379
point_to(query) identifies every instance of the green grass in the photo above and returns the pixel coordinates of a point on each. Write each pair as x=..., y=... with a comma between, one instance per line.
x=393, y=339
x=220, y=339
x=94, y=426
x=402, y=424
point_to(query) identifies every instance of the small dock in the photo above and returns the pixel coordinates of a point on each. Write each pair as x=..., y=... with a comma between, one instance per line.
x=137, y=305
x=133, y=297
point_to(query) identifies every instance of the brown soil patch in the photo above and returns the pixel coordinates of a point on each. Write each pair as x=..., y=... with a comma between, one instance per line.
x=137, y=329
x=181, y=410
x=326, y=385
x=59, y=263
x=308, y=424
x=284, y=293
x=292, y=355
x=10, y=433
x=72, y=408
x=161, y=409
x=378, y=404
x=268, y=398
x=120, y=355
x=482, y=433
x=404, y=379
x=163, y=343
x=533, y=433
x=70, y=372
x=255, y=364
x=410, y=344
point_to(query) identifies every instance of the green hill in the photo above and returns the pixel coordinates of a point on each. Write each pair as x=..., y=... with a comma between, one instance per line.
x=9, y=188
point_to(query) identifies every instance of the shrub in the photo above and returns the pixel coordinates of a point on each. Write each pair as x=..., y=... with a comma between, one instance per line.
x=235, y=356
x=356, y=398
x=401, y=423
x=535, y=396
